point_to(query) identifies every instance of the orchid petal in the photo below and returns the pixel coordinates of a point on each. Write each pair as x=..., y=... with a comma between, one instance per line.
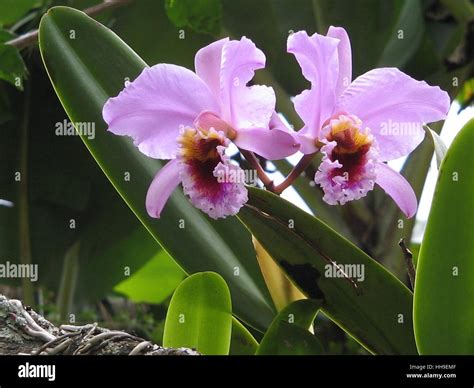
x=394, y=106
x=207, y=63
x=317, y=57
x=271, y=144
x=242, y=106
x=395, y=185
x=153, y=107
x=344, y=55
x=207, y=120
x=162, y=187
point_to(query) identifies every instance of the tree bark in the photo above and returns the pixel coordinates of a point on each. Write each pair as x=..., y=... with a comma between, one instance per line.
x=23, y=331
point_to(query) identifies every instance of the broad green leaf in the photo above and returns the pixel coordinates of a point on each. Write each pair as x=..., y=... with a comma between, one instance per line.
x=406, y=35
x=199, y=15
x=444, y=287
x=313, y=197
x=242, y=343
x=288, y=334
x=438, y=144
x=5, y=35
x=12, y=10
x=376, y=311
x=200, y=315
x=85, y=72
x=281, y=288
x=12, y=67
x=154, y=282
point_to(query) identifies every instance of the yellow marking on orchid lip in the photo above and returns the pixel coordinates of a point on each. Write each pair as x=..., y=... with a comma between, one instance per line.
x=196, y=145
x=348, y=136
x=340, y=126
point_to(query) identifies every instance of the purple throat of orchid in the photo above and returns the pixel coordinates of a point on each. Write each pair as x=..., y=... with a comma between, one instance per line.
x=189, y=119
x=203, y=163
x=348, y=168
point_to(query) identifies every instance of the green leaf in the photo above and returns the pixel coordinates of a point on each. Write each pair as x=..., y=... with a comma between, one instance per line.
x=85, y=72
x=406, y=36
x=199, y=15
x=12, y=67
x=154, y=282
x=5, y=35
x=288, y=334
x=12, y=10
x=438, y=144
x=313, y=197
x=377, y=311
x=200, y=315
x=444, y=288
x=242, y=343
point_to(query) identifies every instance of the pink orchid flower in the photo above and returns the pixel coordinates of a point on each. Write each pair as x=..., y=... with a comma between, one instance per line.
x=360, y=125
x=173, y=113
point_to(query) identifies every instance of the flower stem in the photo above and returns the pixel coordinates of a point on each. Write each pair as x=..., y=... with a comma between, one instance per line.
x=253, y=161
x=295, y=173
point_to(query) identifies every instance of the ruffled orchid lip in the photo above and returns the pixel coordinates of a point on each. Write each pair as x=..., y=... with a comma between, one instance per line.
x=347, y=171
x=202, y=157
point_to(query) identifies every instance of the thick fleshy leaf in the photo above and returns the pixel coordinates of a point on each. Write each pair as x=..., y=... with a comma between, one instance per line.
x=196, y=242
x=154, y=282
x=12, y=67
x=444, y=287
x=242, y=343
x=200, y=315
x=288, y=334
x=371, y=305
x=12, y=10
x=282, y=290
